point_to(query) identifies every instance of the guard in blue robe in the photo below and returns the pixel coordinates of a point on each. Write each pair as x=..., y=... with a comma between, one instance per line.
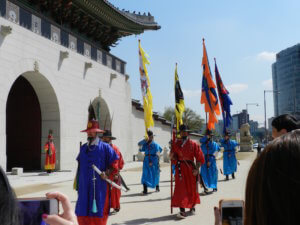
x=229, y=157
x=209, y=170
x=92, y=206
x=151, y=170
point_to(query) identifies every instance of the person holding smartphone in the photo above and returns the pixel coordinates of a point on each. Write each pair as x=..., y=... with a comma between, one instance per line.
x=229, y=156
x=267, y=201
x=209, y=171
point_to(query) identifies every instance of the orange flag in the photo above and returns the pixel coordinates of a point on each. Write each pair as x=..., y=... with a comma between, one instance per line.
x=209, y=95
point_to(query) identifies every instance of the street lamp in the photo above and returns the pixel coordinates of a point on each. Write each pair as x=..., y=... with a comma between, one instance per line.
x=247, y=109
x=265, y=109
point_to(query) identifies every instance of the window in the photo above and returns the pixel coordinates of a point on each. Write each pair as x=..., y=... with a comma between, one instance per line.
x=64, y=38
x=122, y=68
x=25, y=19
x=94, y=53
x=103, y=58
x=80, y=47
x=2, y=7
x=46, y=29
x=114, y=63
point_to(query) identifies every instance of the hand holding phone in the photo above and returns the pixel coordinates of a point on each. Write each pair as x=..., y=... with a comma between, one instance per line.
x=232, y=212
x=33, y=209
x=68, y=217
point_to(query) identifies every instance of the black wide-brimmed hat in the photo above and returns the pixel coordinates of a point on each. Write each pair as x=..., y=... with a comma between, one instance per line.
x=208, y=132
x=184, y=128
x=150, y=133
x=108, y=134
x=227, y=133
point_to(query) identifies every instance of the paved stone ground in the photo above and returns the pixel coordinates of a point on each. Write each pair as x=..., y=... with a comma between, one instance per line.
x=136, y=208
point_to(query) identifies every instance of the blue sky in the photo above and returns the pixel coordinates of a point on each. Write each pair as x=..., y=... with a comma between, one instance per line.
x=244, y=36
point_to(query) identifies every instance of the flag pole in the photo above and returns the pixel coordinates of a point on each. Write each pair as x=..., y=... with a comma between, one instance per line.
x=171, y=150
x=206, y=120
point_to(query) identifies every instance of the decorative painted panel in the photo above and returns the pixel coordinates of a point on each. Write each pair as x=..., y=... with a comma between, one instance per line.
x=72, y=43
x=12, y=12
x=55, y=34
x=87, y=50
x=36, y=26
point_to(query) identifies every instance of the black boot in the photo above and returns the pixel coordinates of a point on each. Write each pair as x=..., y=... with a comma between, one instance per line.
x=233, y=177
x=145, y=189
x=157, y=188
x=215, y=190
x=227, y=177
x=193, y=211
x=181, y=214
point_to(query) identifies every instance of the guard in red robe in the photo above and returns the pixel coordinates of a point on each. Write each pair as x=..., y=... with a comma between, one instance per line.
x=49, y=148
x=115, y=176
x=188, y=157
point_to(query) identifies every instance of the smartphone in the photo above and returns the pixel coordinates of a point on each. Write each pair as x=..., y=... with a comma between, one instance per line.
x=232, y=212
x=32, y=209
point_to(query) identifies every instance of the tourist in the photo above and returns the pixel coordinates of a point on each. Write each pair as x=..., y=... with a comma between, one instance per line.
x=283, y=124
x=8, y=203
x=268, y=201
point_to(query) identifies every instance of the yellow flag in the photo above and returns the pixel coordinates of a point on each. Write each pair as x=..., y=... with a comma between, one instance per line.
x=145, y=87
x=179, y=100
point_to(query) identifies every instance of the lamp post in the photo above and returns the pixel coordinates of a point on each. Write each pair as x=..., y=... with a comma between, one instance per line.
x=247, y=109
x=265, y=109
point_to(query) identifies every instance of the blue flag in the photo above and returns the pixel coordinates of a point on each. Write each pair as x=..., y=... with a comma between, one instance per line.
x=224, y=99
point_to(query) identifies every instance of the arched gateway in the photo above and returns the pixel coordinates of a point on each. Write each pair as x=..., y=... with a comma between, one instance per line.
x=31, y=111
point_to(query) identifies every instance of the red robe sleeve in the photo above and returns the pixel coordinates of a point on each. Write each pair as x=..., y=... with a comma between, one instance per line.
x=198, y=153
x=121, y=162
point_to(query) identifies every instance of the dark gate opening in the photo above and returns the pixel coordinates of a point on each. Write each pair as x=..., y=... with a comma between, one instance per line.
x=23, y=127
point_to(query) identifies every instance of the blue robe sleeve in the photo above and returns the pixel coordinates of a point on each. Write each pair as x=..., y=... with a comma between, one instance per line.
x=144, y=147
x=112, y=155
x=203, y=140
x=218, y=147
x=159, y=149
x=234, y=143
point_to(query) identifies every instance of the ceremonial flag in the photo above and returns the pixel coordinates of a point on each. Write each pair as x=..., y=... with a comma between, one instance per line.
x=179, y=100
x=209, y=96
x=145, y=86
x=224, y=98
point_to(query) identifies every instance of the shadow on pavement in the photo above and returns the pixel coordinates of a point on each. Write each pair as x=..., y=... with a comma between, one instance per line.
x=204, y=194
x=136, y=194
x=148, y=220
x=148, y=200
x=223, y=180
x=164, y=181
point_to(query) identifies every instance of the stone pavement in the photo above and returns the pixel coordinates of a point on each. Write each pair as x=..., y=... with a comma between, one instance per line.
x=136, y=208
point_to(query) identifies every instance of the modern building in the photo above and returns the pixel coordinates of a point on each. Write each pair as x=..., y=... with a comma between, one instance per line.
x=219, y=127
x=54, y=60
x=286, y=80
x=239, y=119
x=235, y=123
x=253, y=126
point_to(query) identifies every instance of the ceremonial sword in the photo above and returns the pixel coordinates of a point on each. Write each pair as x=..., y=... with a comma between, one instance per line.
x=108, y=180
